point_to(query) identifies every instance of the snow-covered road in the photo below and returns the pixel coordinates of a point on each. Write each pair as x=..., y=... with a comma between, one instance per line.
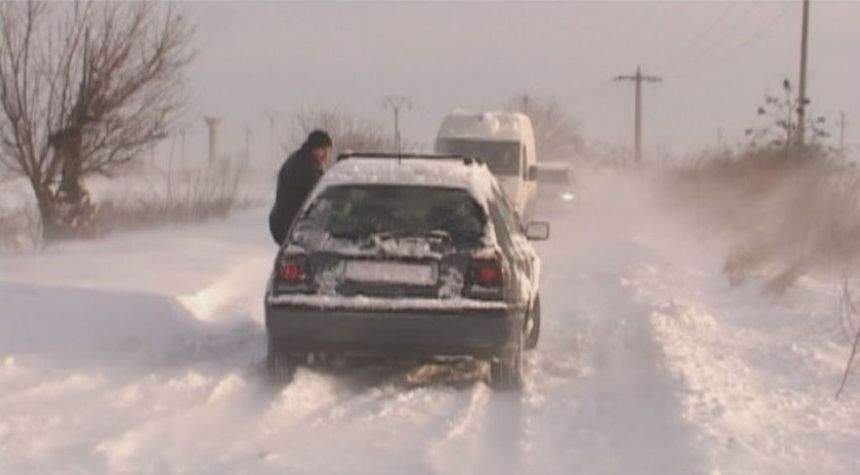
x=142, y=353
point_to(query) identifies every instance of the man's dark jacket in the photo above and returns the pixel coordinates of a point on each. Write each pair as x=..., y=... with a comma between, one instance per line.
x=297, y=178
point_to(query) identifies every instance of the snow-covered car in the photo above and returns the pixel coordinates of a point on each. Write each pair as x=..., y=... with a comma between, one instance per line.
x=418, y=257
x=558, y=191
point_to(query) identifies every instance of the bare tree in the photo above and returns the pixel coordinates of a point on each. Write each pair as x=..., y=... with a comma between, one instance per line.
x=781, y=126
x=85, y=88
x=348, y=131
x=556, y=136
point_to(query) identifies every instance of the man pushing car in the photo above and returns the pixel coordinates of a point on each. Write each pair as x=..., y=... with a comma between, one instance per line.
x=298, y=176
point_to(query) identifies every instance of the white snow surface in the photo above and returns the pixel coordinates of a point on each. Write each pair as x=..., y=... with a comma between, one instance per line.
x=143, y=353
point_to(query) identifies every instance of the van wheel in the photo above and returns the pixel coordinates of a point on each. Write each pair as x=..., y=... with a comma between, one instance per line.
x=280, y=366
x=506, y=371
x=533, y=325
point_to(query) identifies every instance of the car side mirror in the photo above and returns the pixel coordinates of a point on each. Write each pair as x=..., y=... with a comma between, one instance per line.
x=533, y=172
x=537, y=231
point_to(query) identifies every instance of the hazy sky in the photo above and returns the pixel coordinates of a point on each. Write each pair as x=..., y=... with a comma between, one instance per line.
x=717, y=59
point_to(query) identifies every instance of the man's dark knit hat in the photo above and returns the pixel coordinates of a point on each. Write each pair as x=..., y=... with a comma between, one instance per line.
x=318, y=139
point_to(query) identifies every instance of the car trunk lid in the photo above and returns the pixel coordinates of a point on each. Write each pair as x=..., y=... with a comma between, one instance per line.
x=393, y=266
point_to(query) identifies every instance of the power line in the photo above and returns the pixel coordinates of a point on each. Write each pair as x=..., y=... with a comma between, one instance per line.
x=714, y=44
x=732, y=52
x=698, y=38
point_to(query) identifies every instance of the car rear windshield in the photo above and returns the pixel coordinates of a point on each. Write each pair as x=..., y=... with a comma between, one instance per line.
x=360, y=211
x=503, y=158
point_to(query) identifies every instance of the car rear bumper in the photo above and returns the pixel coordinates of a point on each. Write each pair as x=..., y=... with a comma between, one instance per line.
x=397, y=332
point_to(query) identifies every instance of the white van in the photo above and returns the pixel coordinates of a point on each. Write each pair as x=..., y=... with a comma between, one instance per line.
x=505, y=140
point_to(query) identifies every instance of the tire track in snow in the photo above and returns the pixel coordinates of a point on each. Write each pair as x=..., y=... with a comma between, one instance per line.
x=617, y=411
x=487, y=436
x=611, y=405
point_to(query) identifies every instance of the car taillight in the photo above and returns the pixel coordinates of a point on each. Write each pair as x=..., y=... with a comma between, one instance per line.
x=485, y=277
x=293, y=270
x=486, y=273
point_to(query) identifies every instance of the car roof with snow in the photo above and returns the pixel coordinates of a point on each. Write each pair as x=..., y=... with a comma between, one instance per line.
x=448, y=171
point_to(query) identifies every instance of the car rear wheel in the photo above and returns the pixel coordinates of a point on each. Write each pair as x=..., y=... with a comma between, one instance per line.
x=533, y=325
x=506, y=371
x=280, y=366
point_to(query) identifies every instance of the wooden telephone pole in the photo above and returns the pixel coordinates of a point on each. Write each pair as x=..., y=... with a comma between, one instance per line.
x=801, y=99
x=638, y=78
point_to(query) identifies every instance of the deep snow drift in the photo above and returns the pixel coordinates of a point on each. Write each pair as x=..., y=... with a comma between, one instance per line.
x=142, y=352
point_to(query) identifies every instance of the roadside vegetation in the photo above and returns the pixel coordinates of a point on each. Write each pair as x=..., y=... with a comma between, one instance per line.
x=349, y=132
x=144, y=197
x=557, y=135
x=788, y=210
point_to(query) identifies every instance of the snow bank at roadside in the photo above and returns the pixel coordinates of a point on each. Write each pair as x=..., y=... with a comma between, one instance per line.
x=759, y=375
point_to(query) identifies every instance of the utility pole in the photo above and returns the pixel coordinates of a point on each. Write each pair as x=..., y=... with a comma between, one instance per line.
x=396, y=103
x=802, y=100
x=184, y=133
x=842, y=133
x=214, y=124
x=638, y=78
x=247, y=144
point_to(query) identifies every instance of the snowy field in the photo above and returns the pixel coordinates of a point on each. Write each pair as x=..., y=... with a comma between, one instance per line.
x=143, y=352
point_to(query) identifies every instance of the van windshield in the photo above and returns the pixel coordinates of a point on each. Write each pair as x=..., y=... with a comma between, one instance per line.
x=503, y=158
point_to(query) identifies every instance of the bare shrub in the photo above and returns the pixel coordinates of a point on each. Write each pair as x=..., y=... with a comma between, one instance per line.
x=781, y=125
x=787, y=216
x=149, y=199
x=556, y=135
x=348, y=131
x=189, y=196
